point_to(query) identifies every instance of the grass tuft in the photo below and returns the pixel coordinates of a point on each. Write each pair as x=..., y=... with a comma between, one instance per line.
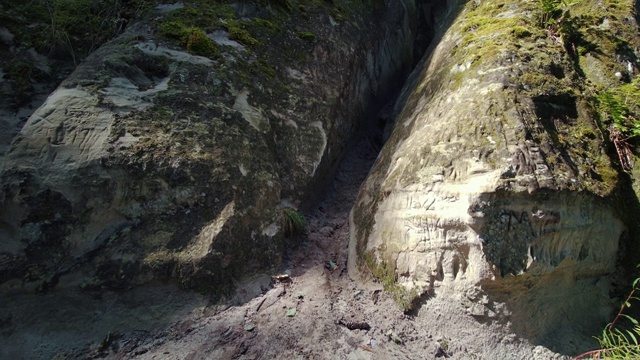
x=293, y=222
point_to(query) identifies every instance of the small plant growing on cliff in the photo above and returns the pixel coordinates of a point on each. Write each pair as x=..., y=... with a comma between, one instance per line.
x=282, y=4
x=619, y=110
x=621, y=107
x=551, y=9
x=560, y=25
x=616, y=343
x=293, y=222
x=66, y=29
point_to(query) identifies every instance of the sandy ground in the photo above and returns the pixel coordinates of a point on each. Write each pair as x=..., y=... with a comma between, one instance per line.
x=318, y=312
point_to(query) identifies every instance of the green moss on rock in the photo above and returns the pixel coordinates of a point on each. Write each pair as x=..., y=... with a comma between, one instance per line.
x=385, y=273
x=521, y=32
x=241, y=35
x=198, y=43
x=175, y=30
x=307, y=36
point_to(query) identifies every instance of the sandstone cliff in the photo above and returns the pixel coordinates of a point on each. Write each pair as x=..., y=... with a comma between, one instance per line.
x=500, y=186
x=171, y=151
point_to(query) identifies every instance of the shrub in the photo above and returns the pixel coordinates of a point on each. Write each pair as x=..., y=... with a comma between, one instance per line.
x=77, y=27
x=67, y=29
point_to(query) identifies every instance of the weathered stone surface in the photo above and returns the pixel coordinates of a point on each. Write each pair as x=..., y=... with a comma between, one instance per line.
x=494, y=187
x=149, y=162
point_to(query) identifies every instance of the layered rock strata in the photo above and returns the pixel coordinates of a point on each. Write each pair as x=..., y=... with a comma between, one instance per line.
x=496, y=187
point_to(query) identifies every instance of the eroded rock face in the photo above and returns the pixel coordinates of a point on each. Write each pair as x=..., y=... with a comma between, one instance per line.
x=149, y=162
x=494, y=187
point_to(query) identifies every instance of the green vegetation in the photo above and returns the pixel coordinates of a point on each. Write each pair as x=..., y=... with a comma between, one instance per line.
x=65, y=31
x=293, y=222
x=619, y=110
x=490, y=29
x=615, y=102
x=551, y=11
x=236, y=32
x=278, y=4
x=266, y=23
x=20, y=73
x=386, y=275
x=174, y=30
x=597, y=41
x=614, y=342
x=620, y=107
x=192, y=38
x=67, y=28
x=308, y=36
x=551, y=7
x=199, y=43
x=487, y=32
x=202, y=14
x=205, y=16
x=521, y=31
x=593, y=40
x=262, y=67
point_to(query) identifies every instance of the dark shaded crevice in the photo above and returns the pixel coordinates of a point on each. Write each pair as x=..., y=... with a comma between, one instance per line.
x=442, y=15
x=336, y=198
x=418, y=302
x=378, y=110
x=551, y=111
x=628, y=210
x=352, y=169
x=426, y=29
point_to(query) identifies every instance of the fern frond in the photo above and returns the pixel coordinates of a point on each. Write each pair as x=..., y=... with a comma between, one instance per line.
x=612, y=108
x=550, y=6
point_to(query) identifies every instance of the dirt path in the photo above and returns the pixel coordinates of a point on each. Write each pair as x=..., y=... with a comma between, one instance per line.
x=319, y=313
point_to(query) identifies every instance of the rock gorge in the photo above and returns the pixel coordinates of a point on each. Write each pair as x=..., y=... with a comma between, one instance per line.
x=171, y=152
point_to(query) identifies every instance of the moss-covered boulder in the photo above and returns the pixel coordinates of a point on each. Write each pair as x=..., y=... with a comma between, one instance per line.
x=171, y=151
x=499, y=184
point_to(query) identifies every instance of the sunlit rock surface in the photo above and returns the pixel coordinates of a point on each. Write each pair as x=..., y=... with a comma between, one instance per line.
x=151, y=162
x=495, y=188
